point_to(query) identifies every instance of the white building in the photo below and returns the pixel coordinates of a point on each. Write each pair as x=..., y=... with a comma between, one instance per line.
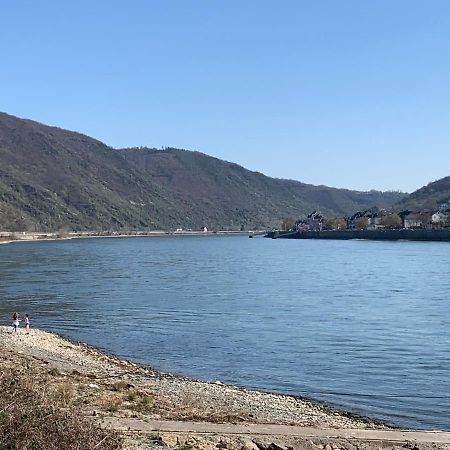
x=374, y=223
x=439, y=217
x=412, y=223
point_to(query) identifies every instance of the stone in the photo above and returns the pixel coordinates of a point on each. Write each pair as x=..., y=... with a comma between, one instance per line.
x=192, y=442
x=260, y=445
x=169, y=440
x=249, y=445
x=203, y=444
x=273, y=446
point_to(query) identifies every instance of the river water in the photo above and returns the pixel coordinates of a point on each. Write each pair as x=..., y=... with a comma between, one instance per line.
x=361, y=325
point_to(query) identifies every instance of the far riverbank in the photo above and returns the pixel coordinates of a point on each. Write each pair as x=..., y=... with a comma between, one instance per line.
x=7, y=237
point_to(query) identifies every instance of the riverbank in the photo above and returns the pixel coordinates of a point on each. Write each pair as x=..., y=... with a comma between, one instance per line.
x=422, y=235
x=109, y=390
x=11, y=237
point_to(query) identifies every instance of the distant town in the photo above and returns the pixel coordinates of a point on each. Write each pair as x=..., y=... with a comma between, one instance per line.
x=374, y=219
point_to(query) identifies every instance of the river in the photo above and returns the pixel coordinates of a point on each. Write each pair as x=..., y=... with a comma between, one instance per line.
x=361, y=325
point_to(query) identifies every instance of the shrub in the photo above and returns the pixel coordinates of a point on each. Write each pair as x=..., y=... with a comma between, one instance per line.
x=31, y=418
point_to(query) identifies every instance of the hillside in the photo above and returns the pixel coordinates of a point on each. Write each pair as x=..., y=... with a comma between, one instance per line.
x=428, y=197
x=52, y=179
x=237, y=196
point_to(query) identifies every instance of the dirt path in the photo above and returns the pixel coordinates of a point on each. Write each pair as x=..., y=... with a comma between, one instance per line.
x=402, y=436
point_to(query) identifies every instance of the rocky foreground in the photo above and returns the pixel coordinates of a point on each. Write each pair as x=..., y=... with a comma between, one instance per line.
x=118, y=394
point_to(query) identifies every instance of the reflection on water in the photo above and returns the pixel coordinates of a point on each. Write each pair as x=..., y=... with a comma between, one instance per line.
x=361, y=325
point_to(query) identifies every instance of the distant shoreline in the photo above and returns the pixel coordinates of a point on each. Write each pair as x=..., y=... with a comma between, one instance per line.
x=11, y=237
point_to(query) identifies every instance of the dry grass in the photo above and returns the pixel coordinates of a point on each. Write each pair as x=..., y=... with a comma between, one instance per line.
x=120, y=386
x=36, y=414
x=195, y=408
x=145, y=405
x=110, y=402
x=122, y=397
x=63, y=394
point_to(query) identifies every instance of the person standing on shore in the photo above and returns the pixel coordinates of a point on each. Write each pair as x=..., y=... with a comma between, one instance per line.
x=15, y=322
x=27, y=324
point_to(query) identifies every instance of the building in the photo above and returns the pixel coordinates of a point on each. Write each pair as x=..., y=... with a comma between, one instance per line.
x=439, y=218
x=313, y=222
x=411, y=222
x=374, y=222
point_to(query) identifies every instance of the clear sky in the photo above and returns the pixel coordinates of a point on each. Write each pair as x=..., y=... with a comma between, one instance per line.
x=344, y=93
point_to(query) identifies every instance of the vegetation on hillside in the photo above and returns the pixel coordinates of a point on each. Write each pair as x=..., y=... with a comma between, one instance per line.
x=428, y=197
x=54, y=179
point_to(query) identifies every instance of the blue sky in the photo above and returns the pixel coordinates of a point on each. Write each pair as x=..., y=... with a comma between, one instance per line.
x=351, y=94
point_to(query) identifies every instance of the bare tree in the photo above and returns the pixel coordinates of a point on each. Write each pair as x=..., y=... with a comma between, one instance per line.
x=287, y=224
x=361, y=223
x=391, y=221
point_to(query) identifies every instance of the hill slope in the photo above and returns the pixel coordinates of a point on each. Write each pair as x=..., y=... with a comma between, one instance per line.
x=237, y=196
x=428, y=197
x=52, y=178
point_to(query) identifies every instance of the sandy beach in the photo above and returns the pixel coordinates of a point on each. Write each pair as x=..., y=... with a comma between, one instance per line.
x=127, y=397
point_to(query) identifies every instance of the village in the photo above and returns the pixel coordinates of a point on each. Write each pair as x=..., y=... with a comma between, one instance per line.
x=375, y=219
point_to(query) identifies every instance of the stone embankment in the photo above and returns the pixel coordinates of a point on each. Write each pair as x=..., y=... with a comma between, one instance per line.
x=440, y=235
x=156, y=409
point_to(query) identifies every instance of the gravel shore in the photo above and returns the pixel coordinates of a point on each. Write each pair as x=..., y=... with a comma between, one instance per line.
x=177, y=397
x=105, y=386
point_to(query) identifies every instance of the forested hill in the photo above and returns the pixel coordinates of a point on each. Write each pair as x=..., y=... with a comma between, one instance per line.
x=428, y=197
x=52, y=179
x=238, y=196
